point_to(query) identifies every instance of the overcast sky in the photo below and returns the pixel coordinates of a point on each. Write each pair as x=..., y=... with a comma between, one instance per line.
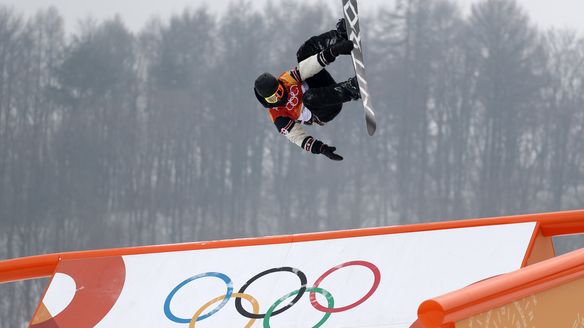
x=558, y=13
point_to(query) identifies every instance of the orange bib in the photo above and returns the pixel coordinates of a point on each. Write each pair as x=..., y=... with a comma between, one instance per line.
x=293, y=108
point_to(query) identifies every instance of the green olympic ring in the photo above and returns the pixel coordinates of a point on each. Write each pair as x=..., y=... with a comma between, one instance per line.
x=329, y=298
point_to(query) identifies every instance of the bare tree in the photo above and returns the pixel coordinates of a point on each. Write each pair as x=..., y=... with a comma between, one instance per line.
x=509, y=55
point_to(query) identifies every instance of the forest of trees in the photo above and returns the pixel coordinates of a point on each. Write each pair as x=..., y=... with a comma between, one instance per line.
x=112, y=138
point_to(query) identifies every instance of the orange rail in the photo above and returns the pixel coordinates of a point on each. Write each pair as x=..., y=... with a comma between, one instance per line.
x=486, y=295
x=552, y=224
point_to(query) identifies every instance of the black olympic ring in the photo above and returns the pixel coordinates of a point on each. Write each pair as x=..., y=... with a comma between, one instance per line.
x=303, y=282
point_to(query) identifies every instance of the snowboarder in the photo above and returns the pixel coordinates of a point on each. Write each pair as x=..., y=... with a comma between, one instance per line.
x=308, y=94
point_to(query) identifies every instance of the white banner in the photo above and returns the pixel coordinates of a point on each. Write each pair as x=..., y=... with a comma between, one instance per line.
x=376, y=281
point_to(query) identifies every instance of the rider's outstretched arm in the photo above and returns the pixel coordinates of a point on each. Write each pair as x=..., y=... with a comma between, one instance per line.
x=297, y=135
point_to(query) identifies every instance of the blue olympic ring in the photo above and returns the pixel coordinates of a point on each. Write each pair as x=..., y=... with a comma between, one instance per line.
x=221, y=276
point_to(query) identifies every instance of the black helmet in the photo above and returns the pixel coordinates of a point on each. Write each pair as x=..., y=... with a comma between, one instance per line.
x=266, y=85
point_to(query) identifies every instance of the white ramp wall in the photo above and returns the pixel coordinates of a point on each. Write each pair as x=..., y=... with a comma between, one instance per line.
x=374, y=281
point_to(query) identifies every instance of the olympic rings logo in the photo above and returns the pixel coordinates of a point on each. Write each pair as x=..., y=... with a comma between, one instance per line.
x=271, y=312
x=293, y=101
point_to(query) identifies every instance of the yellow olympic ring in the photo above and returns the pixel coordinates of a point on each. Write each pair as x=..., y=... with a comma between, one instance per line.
x=253, y=301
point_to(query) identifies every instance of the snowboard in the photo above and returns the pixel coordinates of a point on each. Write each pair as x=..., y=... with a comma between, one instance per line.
x=351, y=13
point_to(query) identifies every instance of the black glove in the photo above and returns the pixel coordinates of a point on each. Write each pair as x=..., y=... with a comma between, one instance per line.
x=331, y=53
x=329, y=152
x=342, y=48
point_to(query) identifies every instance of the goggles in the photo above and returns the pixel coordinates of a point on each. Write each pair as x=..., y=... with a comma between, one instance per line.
x=276, y=96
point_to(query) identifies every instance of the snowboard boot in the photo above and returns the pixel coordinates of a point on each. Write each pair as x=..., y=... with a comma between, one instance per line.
x=350, y=88
x=342, y=29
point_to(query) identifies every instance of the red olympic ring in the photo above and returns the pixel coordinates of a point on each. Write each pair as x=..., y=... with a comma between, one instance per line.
x=376, y=281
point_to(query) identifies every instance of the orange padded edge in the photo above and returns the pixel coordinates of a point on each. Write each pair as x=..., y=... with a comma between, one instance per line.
x=41, y=266
x=485, y=295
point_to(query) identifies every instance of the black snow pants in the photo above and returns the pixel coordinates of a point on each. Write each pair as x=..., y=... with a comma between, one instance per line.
x=324, y=97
